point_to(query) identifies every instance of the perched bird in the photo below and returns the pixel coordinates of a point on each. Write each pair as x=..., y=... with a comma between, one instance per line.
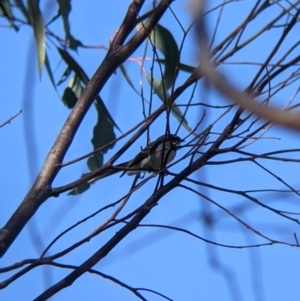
x=154, y=157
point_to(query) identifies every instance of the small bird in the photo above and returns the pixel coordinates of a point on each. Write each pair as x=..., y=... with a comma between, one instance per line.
x=154, y=157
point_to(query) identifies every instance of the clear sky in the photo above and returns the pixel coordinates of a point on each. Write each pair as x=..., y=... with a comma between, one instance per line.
x=173, y=263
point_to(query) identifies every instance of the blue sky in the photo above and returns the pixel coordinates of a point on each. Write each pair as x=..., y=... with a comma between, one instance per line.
x=173, y=263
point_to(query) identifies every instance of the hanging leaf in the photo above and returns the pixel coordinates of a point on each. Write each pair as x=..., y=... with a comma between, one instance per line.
x=181, y=66
x=103, y=131
x=84, y=79
x=36, y=20
x=21, y=6
x=80, y=189
x=163, y=40
x=95, y=161
x=72, y=92
x=127, y=78
x=64, y=11
x=7, y=12
x=159, y=90
x=65, y=76
x=49, y=71
x=73, y=65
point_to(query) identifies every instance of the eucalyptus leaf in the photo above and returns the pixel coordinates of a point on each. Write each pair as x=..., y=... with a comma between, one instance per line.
x=103, y=131
x=127, y=78
x=23, y=9
x=72, y=92
x=163, y=40
x=95, y=161
x=7, y=12
x=64, y=11
x=80, y=189
x=49, y=71
x=65, y=76
x=73, y=65
x=181, y=66
x=162, y=94
x=36, y=20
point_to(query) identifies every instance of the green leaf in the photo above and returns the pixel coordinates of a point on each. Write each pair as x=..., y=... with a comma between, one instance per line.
x=102, y=135
x=49, y=71
x=84, y=78
x=36, y=20
x=23, y=9
x=163, y=40
x=181, y=66
x=55, y=17
x=7, y=12
x=6, y=8
x=126, y=75
x=72, y=92
x=64, y=11
x=103, y=131
x=80, y=189
x=65, y=76
x=21, y=6
x=73, y=65
x=95, y=161
x=175, y=111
